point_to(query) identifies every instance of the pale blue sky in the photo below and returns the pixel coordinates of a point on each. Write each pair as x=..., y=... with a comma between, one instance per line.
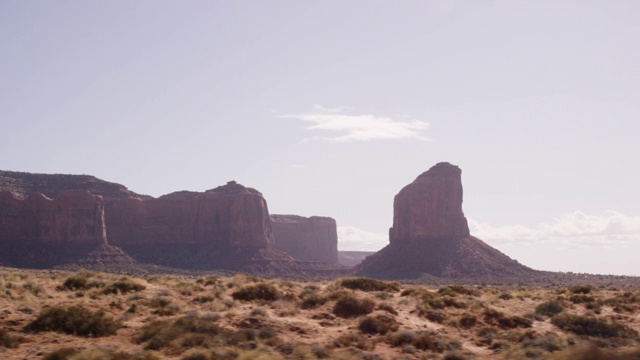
x=330, y=107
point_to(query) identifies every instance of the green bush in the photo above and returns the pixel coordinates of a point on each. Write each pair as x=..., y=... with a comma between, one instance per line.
x=549, y=308
x=74, y=320
x=592, y=326
x=380, y=324
x=348, y=306
x=367, y=284
x=260, y=291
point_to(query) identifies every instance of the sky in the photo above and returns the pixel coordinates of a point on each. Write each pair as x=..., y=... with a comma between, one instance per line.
x=331, y=107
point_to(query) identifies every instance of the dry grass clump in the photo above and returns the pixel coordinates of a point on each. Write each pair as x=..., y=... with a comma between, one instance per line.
x=354, y=340
x=7, y=340
x=348, y=306
x=367, y=284
x=497, y=318
x=625, y=302
x=67, y=353
x=74, y=320
x=453, y=290
x=549, y=308
x=312, y=301
x=380, y=324
x=467, y=321
x=593, y=326
x=581, y=289
x=592, y=352
x=260, y=291
x=422, y=340
x=123, y=286
x=163, y=306
x=81, y=281
x=181, y=333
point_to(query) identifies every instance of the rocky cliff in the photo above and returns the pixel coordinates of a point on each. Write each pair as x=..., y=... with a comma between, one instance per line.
x=430, y=235
x=22, y=184
x=41, y=232
x=310, y=239
x=222, y=227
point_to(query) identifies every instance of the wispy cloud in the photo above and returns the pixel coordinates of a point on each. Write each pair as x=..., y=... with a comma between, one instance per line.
x=352, y=238
x=576, y=229
x=367, y=127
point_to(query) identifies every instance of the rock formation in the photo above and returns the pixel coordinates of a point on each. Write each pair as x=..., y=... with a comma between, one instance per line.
x=310, y=239
x=42, y=232
x=222, y=227
x=430, y=235
x=22, y=184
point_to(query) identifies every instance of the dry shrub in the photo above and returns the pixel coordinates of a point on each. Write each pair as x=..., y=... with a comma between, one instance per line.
x=354, y=340
x=312, y=301
x=581, y=289
x=67, y=353
x=467, y=321
x=505, y=296
x=163, y=306
x=184, y=332
x=7, y=340
x=123, y=286
x=437, y=316
x=550, y=308
x=199, y=354
x=592, y=352
x=259, y=291
x=422, y=340
x=380, y=324
x=592, y=326
x=74, y=320
x=453, y=290
x=388, y=308
x=367, y=284
x=348, y=306
x=495, y=317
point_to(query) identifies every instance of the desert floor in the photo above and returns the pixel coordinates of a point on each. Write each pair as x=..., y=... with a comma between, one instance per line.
x=86, y=315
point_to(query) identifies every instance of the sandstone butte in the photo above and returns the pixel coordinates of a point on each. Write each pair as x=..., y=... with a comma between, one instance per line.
x=228, y=227
x=430, y=235
x=312, y=238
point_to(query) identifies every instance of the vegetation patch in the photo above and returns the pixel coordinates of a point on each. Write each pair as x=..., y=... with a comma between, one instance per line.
x=7, y=340
x=592, y=326
x=123, y=286
x=367, y=284
x=259, y=291
x=549, y=308
x=348, y=306
x=380, y=324
x=74, y=320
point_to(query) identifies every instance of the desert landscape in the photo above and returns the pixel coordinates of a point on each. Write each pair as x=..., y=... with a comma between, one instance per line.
x=85, y=315
x=285, y=179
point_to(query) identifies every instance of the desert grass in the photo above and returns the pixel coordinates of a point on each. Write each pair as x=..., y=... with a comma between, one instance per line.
x=90, y=315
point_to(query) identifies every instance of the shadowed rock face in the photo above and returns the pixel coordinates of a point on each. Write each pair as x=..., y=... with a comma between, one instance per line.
x=430, y=235
x=41, y=232
x=309, y=239
x=217, y=228
x=430, y=207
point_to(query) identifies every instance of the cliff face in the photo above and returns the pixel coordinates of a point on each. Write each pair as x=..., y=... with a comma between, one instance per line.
x=191, y=229
x=41, y=232
x=22, y=184
x=74, y=216
x=430, y=207
x=309, y=239
x=430, y=235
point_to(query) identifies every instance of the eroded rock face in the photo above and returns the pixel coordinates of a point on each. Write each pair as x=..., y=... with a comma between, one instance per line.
x=75, y=216
x=22, y=184
x=310, y=239
x=191, y=229
x=40, y=232
x=430, y=235
x=430, y=207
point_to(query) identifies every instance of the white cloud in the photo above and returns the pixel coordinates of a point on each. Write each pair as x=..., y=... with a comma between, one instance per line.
x=575, y=229
x=359, y=127
x=352, y=238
